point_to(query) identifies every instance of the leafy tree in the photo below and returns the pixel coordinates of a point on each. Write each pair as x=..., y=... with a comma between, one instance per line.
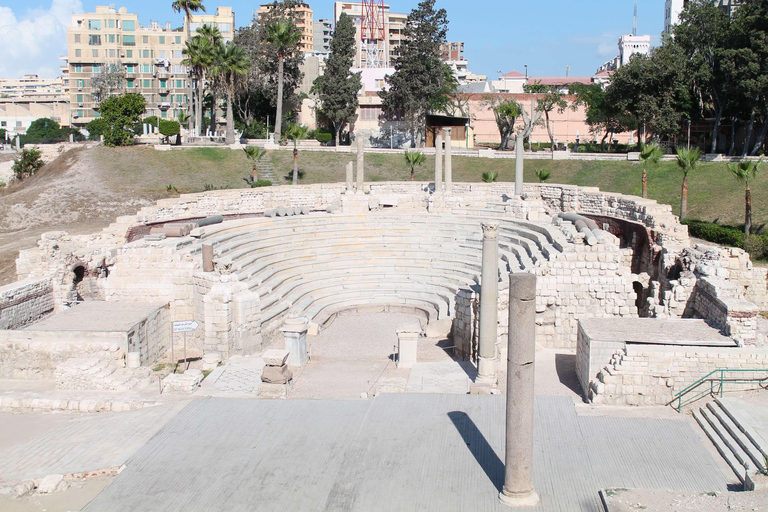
x=687, y=161
x=412, y=159
x=649, y=155
x=530, y=121
x=419, y=82
x=505, y=111
x=96, y=128
x=231, y=64
x=283, y=35
x=108, y=80
x=296, y=133
x=551, y=100
x=188, y=7
x=28, y=163
x=602, y=116
x=121, y=113
x=338, y=87
x=745, y=171
x=42, y=131
x=3, y=131
x=215, y=81
x=169, y=129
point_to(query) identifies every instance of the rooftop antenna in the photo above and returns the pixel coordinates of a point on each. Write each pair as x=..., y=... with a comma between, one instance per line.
x=567, y=70
x=634, y=22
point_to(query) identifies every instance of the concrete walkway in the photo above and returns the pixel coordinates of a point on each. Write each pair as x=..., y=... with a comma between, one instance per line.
x=405, y=452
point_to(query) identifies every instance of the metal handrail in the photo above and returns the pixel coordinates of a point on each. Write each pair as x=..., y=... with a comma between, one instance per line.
x=716, y=384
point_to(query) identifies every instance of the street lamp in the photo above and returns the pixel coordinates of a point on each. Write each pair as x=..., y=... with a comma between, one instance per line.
x=526, y=71
x=689, y=134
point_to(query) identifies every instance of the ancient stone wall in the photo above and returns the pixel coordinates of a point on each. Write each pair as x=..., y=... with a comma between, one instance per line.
x=24, y=302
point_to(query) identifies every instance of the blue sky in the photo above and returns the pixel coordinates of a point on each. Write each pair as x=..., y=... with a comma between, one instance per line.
x=499, y=35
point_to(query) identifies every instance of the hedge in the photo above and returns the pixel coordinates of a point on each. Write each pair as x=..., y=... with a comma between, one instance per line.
x=731, y=236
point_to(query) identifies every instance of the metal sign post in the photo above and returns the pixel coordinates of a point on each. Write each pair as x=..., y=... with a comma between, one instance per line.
x=184, y=327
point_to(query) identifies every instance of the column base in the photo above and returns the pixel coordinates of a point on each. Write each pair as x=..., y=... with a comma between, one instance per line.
x=486, y=371
x=526, y=499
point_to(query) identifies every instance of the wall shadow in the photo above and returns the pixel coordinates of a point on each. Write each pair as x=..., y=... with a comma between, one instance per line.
x=479, y=447
x=565, y=366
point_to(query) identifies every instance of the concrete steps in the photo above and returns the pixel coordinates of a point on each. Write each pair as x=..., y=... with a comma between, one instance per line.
x=732, y=440
x=100, y=374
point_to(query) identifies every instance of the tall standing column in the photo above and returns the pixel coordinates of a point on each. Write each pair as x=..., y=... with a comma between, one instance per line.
x=518, y=468
x=519, y=149
x=360, y=163
x=350, y=176
x=489, y=300
x=438, y=162
x=448, y=166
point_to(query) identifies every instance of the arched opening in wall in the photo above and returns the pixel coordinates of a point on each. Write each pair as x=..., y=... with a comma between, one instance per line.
x=79, y=275
x=640, y=301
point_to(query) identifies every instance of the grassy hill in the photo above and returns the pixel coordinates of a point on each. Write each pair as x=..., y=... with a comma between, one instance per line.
x=713, y=194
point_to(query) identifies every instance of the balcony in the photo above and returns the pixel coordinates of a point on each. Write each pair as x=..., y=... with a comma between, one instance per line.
x=164, y=105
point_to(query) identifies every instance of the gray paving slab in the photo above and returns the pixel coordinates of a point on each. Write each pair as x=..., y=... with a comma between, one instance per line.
x=97, y=316
x=240, y=377
x=440, y=377
x=37, y=445
x=657, y=331
x=404, y=452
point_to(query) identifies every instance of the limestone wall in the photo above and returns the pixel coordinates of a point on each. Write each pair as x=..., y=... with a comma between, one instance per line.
x=654, y=374
x=718, y=301
x=24, y=302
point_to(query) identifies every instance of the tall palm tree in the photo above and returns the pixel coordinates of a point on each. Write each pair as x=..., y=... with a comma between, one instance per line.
x=188, y=7
x=649, y=154
x=199, y=57
x=687, y=161
x=284, y=36
x=231, y=64
x=745, y=171
x=296, y=133
x=212, y=34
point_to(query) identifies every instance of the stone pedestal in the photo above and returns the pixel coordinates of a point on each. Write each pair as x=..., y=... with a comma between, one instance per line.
x=439, y=163
x=295, y=333
x=518, y=468
x=407, y=343
x=489, y=300
x=276, y=378
x=360, y=163
x=519, y=156
x=448, y=163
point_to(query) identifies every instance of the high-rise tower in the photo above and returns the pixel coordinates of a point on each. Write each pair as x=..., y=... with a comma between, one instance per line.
x=373, y=33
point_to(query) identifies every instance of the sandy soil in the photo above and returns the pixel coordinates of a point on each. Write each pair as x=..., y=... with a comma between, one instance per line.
x=70, y=194
x=75, y=497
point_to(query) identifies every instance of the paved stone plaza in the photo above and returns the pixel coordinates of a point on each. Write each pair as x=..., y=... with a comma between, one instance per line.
x=409, y=452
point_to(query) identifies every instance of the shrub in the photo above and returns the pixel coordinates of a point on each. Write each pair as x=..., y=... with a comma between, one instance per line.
x=323, y=137
x=490, y=177
x=261, y=183
x=756, y=246
x=96, y=128
x=169, y=128
x=28, y=163
x=121, y=113
x=542, y=175
x=711, y=232
x=255, y=130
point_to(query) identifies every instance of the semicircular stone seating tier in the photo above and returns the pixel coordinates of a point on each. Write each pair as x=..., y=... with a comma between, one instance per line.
x=322, y=264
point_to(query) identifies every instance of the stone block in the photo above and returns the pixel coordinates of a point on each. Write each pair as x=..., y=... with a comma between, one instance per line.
x=276, y=374
x=275, y=357
x=49, y=484
x=267, y=390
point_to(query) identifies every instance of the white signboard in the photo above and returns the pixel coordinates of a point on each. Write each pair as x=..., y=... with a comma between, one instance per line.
x=186, y=326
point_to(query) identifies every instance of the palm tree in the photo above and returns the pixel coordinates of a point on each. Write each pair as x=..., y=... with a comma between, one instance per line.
x=745, y=171
x=231, y=64
x=649, y=154
x=412, y=159
x=284, y=36
x=199, y=57
x=687, y=161
x=188, y=6
x=296, y=133
x=212, y=34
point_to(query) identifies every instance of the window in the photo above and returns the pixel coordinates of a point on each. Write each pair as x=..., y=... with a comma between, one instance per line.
x=177, y=39
x=162, y=39
x=96, y=68
x=163, y=84
x=161, y=54
x=18, y=124
x=79, y=113
x=146, y=68
x=224, y=27
x=3, y=123
x=194, y=26
x=110, y=23
x=179, y=84
x=163, y=114
x=111, y=38
x=78, y=68
x=129, y=83
x=146, y=54
x=94, y=24
x=112, y=53
x=129, y=26
x=129, y=68
x=129, y=40
x=145, y=39
x=96, y=114
x=94, y=40
x=79, y=98
x=78, y=53
x=80, y=83
x=77, y=38
x=179, y=55
x=147, y=83
x=129, y=54
x=95, y=54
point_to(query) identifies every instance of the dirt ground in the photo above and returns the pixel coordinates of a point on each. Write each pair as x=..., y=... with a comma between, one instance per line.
x=75, y=497
x=70, y=194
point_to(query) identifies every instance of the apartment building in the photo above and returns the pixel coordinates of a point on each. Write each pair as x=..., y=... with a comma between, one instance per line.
x=150, y=56
x=323, y=32
x=394, y=25
x=304, y=22
x=32, y=87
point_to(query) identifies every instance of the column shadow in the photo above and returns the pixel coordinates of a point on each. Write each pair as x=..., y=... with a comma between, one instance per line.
x=479, y=447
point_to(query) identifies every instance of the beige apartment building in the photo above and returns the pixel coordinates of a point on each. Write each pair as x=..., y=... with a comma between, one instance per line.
x=150, y=55
x=394, y=25
x=304, y=22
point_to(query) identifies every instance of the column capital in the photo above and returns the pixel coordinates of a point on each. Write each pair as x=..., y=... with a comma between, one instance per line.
x=447, y=130
x=490, y=230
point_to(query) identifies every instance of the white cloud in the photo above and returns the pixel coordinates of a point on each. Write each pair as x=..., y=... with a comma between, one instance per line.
x=32, y=42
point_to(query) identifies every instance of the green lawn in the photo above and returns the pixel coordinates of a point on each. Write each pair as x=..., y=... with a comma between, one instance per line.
x=713, y=193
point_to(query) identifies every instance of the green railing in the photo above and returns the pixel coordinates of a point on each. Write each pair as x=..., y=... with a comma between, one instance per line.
x=717, y=381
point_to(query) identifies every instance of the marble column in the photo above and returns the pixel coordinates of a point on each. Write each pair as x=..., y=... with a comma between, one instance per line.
x=439, y=162
x=350, y=176
x=518, y=488
x=295, y=335
x=519, y=149
x=489, y=300
x=448, y=166
x=360, y=163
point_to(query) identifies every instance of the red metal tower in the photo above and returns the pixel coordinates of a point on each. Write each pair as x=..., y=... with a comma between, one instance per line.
x=373, y=34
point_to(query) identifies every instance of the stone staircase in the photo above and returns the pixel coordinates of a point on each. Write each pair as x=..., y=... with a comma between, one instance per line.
x=265, y=172
x=100, y=374
x=735, y=433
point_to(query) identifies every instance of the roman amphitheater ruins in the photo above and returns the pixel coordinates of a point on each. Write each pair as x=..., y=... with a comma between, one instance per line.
x=618, y=281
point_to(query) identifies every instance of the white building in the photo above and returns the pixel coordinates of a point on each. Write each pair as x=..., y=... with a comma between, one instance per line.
x=672, y=10
x=630, y=45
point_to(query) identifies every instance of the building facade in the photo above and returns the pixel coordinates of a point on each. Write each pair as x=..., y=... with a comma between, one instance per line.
x=304, y=22
x=322, y=33
x=150, y=57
